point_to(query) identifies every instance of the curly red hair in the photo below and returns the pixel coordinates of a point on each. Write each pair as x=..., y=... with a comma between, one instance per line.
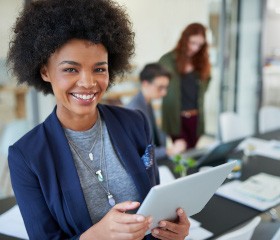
x=200, y=60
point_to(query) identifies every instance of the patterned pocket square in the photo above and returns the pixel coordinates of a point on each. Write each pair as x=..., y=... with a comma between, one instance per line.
x=148, y=157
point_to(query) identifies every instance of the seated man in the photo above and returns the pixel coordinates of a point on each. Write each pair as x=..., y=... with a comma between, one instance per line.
x=154, y=85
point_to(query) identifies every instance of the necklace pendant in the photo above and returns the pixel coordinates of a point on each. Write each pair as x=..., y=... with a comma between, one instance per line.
x=111, y=200
x=99, y=176
x=90, y=155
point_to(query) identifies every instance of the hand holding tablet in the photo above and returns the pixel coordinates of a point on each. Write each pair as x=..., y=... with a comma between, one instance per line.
x=191, y=193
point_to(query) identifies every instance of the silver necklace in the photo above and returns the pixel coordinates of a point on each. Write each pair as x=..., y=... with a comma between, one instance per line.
x=99, y=177
x=90, y=154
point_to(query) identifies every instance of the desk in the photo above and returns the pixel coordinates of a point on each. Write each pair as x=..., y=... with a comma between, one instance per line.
x=220, y=214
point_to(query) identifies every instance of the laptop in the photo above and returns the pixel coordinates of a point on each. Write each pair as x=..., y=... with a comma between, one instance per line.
x=190, y=193
x=218, y=154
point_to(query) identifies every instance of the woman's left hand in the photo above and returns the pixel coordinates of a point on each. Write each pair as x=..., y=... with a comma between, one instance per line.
x=173, y=230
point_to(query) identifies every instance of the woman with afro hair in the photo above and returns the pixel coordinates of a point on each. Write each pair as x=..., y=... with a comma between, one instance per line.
x=83, y=172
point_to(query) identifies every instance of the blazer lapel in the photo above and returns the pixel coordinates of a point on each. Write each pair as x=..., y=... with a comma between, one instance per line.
x=126, y=151
x=67, y=175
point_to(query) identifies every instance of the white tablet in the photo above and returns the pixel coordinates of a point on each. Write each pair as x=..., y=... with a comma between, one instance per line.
x=191, y=193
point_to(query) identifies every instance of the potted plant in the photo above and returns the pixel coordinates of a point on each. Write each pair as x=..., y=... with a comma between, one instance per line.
x=182, y=164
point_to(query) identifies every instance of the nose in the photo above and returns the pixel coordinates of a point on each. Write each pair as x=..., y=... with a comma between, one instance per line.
x=86, y=80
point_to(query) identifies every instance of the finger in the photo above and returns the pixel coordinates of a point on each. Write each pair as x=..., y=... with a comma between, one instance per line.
x=125, y=206
x=126, y=218
x=135, y=236
x=183, y=217
x=180, y=228
x=163, y=234
x=177, y=226
x=132, y=227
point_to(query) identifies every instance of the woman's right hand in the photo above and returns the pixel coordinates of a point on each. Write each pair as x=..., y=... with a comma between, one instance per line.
x=117, y=224
x=177, y=147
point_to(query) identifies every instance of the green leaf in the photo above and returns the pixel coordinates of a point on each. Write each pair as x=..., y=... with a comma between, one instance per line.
x=179, y=168
x=191, y=162
x=177, y=159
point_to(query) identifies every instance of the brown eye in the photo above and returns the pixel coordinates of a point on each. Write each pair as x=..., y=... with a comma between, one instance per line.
x=70, y=70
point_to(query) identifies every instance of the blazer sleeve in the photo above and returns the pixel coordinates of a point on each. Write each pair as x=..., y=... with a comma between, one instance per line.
x=37, y=217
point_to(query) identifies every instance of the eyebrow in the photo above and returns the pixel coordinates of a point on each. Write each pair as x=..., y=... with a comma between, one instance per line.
x=78, y=64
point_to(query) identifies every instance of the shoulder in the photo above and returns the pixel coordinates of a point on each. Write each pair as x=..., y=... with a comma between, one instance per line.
x=169, y=56
x=37, y=139
x=133, y=122
x=30, y=137
x=168, y=60
x=122, y=113
x=137, y=102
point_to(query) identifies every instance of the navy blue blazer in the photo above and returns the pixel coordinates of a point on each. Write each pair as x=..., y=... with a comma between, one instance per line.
x=45, y=179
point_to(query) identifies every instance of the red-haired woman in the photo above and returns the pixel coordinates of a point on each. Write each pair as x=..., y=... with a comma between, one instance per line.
x=188, y=63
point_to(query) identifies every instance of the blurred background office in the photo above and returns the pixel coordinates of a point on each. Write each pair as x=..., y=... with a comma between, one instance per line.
x=244, y=45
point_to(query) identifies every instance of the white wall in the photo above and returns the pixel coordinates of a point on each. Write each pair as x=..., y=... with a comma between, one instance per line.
x=158, y=24
x=8, y=12
x=271, y=35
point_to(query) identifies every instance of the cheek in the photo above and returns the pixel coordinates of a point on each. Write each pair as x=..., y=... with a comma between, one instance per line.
x=61, y=84
x=104, y=83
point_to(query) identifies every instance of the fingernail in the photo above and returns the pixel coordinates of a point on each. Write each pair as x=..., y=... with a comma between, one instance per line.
x=162, y=224
x=150, y=220
x=180, y=211
x=155, y=231
x=140, y=218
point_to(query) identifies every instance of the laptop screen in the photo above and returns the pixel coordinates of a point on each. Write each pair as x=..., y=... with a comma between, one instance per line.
x=218, y=154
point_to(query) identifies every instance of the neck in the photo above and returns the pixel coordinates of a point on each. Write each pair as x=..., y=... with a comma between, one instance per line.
x=146, y=95
x=78, y=123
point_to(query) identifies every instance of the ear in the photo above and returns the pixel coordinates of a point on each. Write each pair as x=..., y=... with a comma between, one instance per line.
x=146, y=83
x=44, y=73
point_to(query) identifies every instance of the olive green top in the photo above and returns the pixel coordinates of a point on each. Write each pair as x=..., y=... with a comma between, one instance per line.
x=171, y=104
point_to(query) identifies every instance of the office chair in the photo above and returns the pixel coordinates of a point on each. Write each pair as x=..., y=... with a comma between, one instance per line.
x=12, y=131
x=232, y=127
x=242, y=233
x=269, y=118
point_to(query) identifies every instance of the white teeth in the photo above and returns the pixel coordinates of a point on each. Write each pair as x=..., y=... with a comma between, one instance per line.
x=84, y=96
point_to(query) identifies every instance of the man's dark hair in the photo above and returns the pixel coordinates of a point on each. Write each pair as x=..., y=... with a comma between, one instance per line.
x=153, y=70
x=45, y=25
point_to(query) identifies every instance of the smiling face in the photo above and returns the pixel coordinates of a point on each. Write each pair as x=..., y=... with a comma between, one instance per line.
x=78, y=73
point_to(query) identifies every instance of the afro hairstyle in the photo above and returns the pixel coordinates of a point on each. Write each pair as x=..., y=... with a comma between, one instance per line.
x=45, y=25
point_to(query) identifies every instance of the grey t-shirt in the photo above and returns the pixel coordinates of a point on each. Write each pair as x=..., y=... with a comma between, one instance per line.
x=120, y=183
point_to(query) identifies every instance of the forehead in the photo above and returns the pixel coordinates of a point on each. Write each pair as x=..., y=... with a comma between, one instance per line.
x=80, y=49
x=163, y=80
x=197, y=38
